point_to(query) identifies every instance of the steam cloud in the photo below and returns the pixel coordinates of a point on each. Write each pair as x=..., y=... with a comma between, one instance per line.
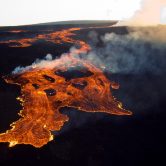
x=47, y=62
x=141, y=50
x=36, y=63
x=149, y=14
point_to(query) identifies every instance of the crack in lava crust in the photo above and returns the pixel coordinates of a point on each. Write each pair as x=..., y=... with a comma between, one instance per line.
x=44, y=91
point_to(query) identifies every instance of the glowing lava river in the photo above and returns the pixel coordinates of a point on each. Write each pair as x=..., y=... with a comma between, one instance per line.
x=65, y=82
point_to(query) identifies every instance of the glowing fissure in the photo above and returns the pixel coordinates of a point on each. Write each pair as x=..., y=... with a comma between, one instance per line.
x=70, y=81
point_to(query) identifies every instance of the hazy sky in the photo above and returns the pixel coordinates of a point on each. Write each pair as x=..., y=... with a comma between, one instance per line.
x=163, y=15
x=19, y=12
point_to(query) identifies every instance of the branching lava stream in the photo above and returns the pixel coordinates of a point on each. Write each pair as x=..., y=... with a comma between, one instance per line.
x=67, y=81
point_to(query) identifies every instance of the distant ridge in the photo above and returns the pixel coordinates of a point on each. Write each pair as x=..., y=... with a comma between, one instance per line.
x=71, y=22
x=80, y=22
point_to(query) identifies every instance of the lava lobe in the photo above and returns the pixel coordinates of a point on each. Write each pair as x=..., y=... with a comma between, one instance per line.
x=69, y=82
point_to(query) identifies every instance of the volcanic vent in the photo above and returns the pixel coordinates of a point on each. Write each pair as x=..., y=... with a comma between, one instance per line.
x=67, y=81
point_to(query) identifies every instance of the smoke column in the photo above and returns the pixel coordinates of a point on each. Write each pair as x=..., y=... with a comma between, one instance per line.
x=149, y=14
x=141, y=50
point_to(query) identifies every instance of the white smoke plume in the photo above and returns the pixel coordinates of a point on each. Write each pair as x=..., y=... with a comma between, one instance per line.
x=47, y=62
x=149, y=14
x=140, y=50
x=36, y=63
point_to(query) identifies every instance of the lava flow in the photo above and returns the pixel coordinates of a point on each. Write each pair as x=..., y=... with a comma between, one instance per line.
x=57, y=37
x=65, y=82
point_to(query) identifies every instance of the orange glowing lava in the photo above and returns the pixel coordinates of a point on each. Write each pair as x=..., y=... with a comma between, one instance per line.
x=17, y=31
x=57, y=37
x=67, y=81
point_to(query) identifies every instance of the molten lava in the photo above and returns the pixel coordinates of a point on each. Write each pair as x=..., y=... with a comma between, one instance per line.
x=57, y=37
x=65, y=82
x=16, y=31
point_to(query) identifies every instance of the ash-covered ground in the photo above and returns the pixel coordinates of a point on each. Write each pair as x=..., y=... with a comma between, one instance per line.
x=137, y=64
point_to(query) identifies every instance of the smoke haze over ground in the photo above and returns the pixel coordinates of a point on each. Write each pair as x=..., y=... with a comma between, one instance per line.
x=141, y=50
